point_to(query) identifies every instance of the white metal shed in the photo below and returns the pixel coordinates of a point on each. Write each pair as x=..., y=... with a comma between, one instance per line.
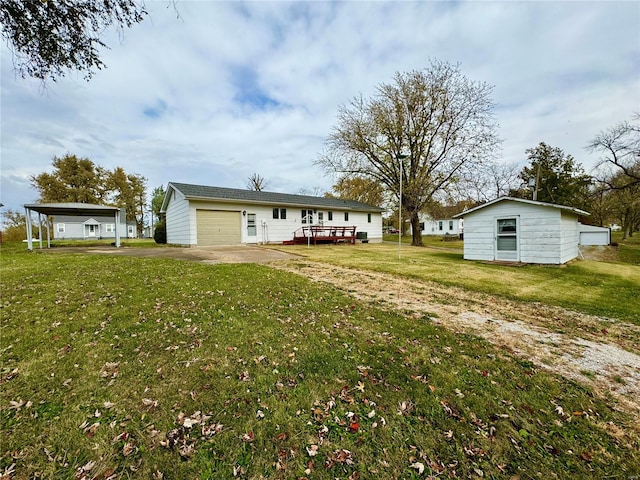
x=520, y=230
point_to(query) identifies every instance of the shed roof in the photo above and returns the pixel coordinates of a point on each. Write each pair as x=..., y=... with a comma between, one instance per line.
x=71, y=208
x=201, y=192
x=574, y=210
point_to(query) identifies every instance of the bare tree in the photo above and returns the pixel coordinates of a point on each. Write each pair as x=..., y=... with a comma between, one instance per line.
x=620, y=146
x=492, y=181
x=618, y=171
x=256, y=182
x=424, y=131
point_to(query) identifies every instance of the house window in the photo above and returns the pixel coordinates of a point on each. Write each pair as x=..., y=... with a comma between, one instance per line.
x=422, y=226
x=368, y=218
x=251, y=225
x=275, y=213
x=450, y=224
x=440, y=225
x=320, y=218
x=109, y=228
x=330, y=216
x=307, y=216
x=283, y=213
x=346, y=216
x=61, y=228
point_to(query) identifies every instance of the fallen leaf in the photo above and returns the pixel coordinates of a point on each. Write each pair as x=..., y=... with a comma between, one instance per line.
x=128, y=449
x=418, y=466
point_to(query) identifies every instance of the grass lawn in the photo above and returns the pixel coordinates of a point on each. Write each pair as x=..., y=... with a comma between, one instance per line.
x=629, y=249
x=598, y=288
x=121, y=367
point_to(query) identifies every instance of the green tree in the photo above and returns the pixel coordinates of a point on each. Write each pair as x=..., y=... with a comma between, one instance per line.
x=49, y=37
x=128, y=191
x=556, y=176
x=157, y=197
x=73, y=180
x=14, y=226
x=424, y=131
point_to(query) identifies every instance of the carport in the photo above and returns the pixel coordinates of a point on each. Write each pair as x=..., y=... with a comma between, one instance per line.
x=52, y=209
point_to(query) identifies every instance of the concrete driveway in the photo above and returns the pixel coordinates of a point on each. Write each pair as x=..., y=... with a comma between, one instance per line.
x=212, y=255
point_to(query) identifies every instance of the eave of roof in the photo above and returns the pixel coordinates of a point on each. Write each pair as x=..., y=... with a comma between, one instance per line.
x=574, y=210
x=71, y=208
x=238, y=196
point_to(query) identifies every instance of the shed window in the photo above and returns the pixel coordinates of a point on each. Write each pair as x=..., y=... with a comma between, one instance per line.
x=330, y=216
x=368, y=218
x=346, y=216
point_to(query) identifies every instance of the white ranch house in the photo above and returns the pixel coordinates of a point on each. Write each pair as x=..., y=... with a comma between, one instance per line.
x=443, y=226
x=519, y=230
x=198, y=215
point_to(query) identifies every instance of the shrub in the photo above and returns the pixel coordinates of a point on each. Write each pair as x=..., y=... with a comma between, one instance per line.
x=160, y=233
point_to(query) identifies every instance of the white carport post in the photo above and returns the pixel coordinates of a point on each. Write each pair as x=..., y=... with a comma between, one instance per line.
x=27, y=220
x=40, y=229
x=48, y=231
x=117, y=220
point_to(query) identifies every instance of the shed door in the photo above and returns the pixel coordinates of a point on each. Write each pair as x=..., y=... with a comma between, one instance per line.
x=217, y=227
x=507, y=239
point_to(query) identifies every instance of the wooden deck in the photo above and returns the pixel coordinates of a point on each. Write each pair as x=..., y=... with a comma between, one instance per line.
x=323, y=234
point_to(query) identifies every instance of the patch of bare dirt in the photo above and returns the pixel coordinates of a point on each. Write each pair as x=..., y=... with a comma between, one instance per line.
x=591, y=350
x=600, y=253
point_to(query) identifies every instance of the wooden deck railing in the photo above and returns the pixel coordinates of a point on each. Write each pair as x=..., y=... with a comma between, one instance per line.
x=324, y=234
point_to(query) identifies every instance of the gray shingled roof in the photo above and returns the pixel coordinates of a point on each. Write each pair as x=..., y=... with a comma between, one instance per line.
x=194, y=192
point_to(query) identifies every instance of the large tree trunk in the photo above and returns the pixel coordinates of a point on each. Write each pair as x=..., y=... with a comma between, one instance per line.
x=416, y=239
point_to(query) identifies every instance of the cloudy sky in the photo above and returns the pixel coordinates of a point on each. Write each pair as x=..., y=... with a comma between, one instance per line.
x=232, y=88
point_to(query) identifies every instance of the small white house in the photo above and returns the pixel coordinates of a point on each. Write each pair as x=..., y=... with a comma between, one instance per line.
x=444, y=226
x=519, y=230
x=198, y=215
x=78, y=227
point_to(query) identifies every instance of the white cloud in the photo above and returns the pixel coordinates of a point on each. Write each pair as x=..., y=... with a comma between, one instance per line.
x=233, y=88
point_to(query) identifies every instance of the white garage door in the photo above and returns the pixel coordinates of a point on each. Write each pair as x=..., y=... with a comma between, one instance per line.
x=594, y=238
x=217, y=227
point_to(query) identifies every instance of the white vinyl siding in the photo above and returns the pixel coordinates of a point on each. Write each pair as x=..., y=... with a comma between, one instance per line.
x=178, y=222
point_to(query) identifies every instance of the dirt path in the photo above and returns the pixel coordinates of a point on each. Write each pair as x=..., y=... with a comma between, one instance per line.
x=590, y=350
